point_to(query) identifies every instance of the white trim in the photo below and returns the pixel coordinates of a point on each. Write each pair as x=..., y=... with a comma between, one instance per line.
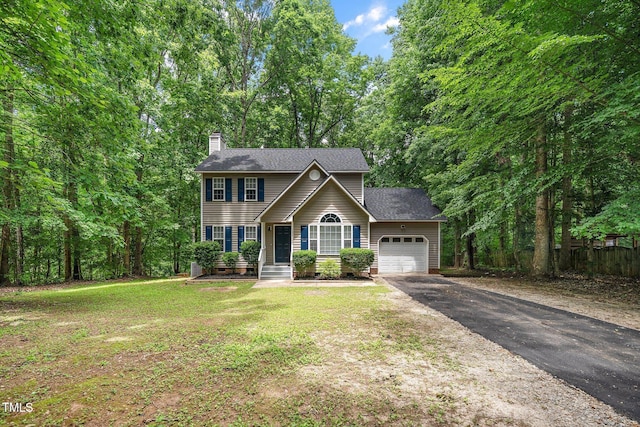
x=288, y=187
x=362, y=189
x=331, y=178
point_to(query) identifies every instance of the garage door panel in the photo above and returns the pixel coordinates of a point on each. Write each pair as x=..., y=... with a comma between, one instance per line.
x=402, y=257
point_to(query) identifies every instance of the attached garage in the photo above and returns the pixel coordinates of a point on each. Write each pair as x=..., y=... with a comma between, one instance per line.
x=403, y=254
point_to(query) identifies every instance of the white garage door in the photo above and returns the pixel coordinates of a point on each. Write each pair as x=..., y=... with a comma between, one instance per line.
x=402, y=255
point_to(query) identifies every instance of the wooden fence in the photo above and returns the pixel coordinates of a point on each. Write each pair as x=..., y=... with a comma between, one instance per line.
x=616, y=261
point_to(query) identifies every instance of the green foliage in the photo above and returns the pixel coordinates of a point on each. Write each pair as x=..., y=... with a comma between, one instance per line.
x=230, y=260
x=206, y=254
x=250, y=250
x=329, y=269
x=358, y=259
x=303, y=261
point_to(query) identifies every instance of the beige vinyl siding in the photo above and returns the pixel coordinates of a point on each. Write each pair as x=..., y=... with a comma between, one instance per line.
x=426, y=229
x=240, y=213
x=331, y=199
x=352, y=182
x=293, y=197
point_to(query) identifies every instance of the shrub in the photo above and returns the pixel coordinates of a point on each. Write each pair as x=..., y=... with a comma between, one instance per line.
x=230, y=260
x=250, y=250
x=329, y=269
x=303, y=260
x=358, y=259
x=206, y=254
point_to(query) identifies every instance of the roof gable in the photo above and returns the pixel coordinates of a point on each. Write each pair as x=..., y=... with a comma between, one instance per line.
x=314, y=165
x=347, y=193
x=284, y=160
x=401, y=204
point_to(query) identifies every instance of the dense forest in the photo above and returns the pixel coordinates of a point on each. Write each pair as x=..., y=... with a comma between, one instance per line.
x=520, y=118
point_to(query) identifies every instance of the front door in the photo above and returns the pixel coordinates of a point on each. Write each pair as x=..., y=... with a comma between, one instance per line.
x=283, y=243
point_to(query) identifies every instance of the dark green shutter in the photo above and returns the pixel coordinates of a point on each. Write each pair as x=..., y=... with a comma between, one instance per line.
x=259, y=234
x=208, y=232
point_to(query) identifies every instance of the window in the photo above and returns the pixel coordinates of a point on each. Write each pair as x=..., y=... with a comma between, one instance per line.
x=419, y=240
x=218, y=235
x=313, y=237
x=330, y=239
x=385, y=240
x=330, y=235
x=346, y=243
x=218, y=188
x=251, y=232
x=396, y=240
x=330, y=218
x=250, y=189
x=408, y=240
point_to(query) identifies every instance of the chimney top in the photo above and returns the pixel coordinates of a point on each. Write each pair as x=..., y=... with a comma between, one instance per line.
x=216, y=142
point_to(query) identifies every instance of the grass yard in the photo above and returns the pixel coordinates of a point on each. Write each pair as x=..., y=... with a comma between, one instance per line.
x=165, y=353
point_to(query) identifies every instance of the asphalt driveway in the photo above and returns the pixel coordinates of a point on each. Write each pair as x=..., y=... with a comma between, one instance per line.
x=600, y=358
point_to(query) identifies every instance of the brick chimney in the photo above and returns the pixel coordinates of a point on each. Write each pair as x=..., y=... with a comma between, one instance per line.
x=216, y=142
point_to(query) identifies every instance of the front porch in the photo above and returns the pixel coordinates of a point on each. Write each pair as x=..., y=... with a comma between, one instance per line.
x=274, y=262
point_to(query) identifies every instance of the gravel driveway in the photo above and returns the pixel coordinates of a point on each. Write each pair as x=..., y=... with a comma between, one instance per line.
x=601, y=358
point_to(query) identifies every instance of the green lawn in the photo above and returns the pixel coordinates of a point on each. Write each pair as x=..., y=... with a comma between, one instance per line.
x=165, y=353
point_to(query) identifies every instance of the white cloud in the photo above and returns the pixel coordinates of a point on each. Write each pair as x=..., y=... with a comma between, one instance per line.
x=373, y=16
x=392, y=21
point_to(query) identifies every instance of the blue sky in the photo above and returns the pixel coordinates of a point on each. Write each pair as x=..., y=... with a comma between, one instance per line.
x=366, y=21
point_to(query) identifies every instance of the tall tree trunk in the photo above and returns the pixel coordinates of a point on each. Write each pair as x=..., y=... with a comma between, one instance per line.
x=137, y=256
x=541, y=244
x=126, y=234
x=517, y=224
x=457, y=244
x=8, y=184
x=70, y=233
x=567, y=200
x=137, y=237
x=471, y=265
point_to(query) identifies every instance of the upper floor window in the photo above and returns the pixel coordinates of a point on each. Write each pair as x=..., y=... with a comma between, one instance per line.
x=218, y=189
x=251, y=189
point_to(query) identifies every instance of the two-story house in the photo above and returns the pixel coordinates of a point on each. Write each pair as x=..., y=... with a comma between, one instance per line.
x=293, y=199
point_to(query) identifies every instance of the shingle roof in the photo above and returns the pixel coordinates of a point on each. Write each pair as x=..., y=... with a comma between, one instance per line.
x=393, y=204
x=284, y=160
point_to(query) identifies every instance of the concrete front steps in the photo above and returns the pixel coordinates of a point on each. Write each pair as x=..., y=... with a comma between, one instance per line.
x=276, y=272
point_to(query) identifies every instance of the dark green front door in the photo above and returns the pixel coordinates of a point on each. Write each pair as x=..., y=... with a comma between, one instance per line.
x=283, y=243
